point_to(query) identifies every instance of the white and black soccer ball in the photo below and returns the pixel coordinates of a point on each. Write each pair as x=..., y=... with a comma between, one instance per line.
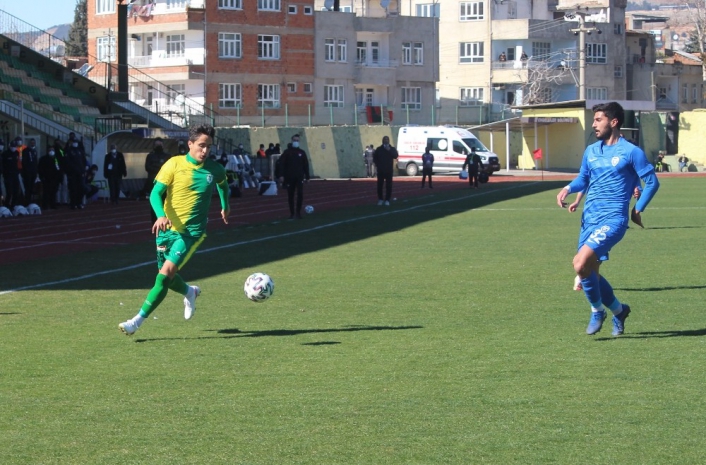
x=5, y=212
x=34, y=209
x=19, y=210
x=259, y=287
x=309, y=209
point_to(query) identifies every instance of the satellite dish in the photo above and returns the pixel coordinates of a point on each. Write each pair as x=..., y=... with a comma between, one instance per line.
x=328, y=4
x=675, y=37
x=384, y=3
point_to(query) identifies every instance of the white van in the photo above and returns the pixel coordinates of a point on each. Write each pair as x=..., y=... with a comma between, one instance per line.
x=449, y=145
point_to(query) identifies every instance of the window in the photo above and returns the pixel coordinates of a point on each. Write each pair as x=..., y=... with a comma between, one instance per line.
x=684, y=93
x=429, y=10
x=229, y=96
x=230, y=4
x=375, y=51
x=361, y=52
x=471, y=11
x=105, y=6
x=175, y=94
x=268, y=47
x=596, y=93
x=694, y=93
x=618, y=71
x=596, y=53
x=105, y=48
x=342, y=50
x=330, y=50
x=418, y=57
x=511, y=10
x=308, y=88
x=412, y=53
x=471, y=96
x=230, y=45
x=268, y=5
x=617, y=28
x=176, y=4
x=175, y=45
x=406, y=53
x=412, y=98
x=471, y=52
x=292, y=9
x=291, y=87
x=333, y=96
x=308, y=10
x=268, y=95
x=540, y=51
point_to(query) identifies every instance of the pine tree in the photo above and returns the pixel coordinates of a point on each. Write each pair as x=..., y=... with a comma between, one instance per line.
x=77, y=43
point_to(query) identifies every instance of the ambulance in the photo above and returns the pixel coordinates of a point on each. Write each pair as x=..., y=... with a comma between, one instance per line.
x=449, y=145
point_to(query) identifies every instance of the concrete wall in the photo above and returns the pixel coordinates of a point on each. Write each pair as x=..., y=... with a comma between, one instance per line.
x=691, y=138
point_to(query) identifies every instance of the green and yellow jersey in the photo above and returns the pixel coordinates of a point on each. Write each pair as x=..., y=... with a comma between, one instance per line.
x=189, y=188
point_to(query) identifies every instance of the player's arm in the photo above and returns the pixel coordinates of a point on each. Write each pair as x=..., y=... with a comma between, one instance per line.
x=651, y=187
x=157, y=203
x=574, y=205
x=579, y=184
x=224, y=194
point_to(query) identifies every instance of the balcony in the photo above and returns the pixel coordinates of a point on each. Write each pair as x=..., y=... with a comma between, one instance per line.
x=519, y=71
x=381, y=72
x=160, y=59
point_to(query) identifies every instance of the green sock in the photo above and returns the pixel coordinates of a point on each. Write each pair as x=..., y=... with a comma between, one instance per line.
x=178, y=285
x=156, y=295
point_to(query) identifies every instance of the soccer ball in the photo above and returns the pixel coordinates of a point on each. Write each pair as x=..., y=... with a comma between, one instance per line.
x=259, y=287
x=309, y=209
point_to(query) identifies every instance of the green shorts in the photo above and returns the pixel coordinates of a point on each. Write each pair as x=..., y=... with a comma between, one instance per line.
x=175, y=247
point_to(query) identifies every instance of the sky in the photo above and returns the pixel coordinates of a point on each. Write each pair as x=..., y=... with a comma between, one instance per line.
x=41, y=13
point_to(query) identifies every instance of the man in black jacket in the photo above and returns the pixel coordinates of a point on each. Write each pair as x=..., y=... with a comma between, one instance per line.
x=114, y=170
x=11, y=175
x=30, y=159
x=384, y=158
x=294, y=169
x=474, y=164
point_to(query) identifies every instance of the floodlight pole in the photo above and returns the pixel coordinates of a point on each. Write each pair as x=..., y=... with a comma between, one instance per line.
x=582, y=30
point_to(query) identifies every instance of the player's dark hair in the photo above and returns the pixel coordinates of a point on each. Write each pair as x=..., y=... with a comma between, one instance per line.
x=201, y=129
x=295, y=135
x=612, y=110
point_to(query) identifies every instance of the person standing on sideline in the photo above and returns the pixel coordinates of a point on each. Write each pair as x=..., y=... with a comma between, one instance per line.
x=187, y=185
x=474, y=164
x=75, y=168
x=369, y=165
x=384, y=158
x=51, y=176
x=153, y=163
x=610, y=170
x=427, y=166
x=294, y=169
x=11, y=175
x=114, y=170
x=30, y=160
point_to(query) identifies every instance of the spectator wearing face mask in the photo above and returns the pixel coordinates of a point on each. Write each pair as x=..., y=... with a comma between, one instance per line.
x=384, y=158
x=51, y=175
x=74, y=142
x=30, y=160
x=11, y=175
x=114, y=170
x=294, y=170
x=75, y=168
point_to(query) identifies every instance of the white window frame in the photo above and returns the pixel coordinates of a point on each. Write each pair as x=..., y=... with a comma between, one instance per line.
x=618, y=71
x=471, y=96
x=329, y=49
x=308, y=10
x=418, y=53
x=291, y=87
x=174, y=92
x=597, y=53
x=105, y=7
x=230, y=95
x=411, y=98
x=361, y=51
x=694, y=93
x=230, y=4
x=471, y=11
x=176, y=45
x=685, y=93
x=341, y=50
x=230, y=45
x=471, y=52
x=176, y=4
x=333, y=96
x=105, y=48
x=308, y=88
x=406, y=53
x=428, y=10
x=268, y=96
x=269, y=5
x=597, y=93
x=268, y=47
x=292, y=9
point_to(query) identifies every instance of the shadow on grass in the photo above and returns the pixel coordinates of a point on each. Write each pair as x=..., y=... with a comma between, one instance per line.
x=10, y=313
x=658, y=334
x=322, y=343
x=658, y=289
x=234, y=332
x=674, y=227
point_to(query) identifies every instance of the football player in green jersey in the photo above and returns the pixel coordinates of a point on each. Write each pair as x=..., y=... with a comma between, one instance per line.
x=187, y=181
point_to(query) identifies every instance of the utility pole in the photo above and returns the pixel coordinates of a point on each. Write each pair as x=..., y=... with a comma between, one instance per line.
x=581, y=31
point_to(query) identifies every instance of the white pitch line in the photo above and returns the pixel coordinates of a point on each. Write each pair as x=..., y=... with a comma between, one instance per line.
x=263, y=239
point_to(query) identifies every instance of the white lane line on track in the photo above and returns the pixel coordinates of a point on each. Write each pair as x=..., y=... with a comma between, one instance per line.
x=266, y=238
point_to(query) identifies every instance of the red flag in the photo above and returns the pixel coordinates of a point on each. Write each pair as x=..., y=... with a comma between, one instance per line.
x=537, y=154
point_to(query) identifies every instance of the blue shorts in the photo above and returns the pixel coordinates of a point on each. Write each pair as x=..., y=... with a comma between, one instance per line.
x=602, y=237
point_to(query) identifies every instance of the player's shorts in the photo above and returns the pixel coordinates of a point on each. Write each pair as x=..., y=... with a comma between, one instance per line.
x=602, y=237
x=175, y=247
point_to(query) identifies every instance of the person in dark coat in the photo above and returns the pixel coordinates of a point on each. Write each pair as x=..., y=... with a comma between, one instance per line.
x=384, y=158
x=153, y=163
x=293, y=171
x=75, y=168
x=114, y=170
x=474, y=164
x=11, y=175
x=427, y=166
x=30, y=159
x=51, y=175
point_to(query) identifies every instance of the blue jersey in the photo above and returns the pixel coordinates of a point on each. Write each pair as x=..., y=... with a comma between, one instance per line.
x=610, y=174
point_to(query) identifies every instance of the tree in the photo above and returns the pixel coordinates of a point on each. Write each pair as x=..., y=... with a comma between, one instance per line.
x=77, y=43
x=697, y=16
x=540, y=80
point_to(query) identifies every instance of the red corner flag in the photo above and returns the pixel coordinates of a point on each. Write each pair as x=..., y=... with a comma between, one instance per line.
x=537, y=154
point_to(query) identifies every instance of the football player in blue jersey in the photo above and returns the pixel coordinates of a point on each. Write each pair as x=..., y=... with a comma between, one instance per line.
x=610, y=170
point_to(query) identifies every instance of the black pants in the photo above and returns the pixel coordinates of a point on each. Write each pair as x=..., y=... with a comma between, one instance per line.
x=49, y=189
x=12, y=189
x=473, y=178
x=76, y=189
x=295, y=184
x=385, y=179
x=426, y=172
x=28, y=183
x=114, y=186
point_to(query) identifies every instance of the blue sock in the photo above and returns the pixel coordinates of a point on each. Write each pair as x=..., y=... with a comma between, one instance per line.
x=608, y=297
x=592, y=290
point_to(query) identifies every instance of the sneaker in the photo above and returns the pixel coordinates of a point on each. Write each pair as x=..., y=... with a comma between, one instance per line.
x=387, y=203
x=597, y=319
x=190, y=301
x=619, y=320
x=379, y=202
x=128, y=328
